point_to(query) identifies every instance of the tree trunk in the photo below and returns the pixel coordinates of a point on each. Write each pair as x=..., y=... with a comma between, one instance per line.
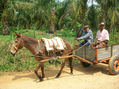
x=5, y=29
x=3, y=18
x=52, y=26
x=84, y=9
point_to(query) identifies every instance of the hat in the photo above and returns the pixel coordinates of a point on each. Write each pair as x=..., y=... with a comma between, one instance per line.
x=86, y=26
x=102, y=24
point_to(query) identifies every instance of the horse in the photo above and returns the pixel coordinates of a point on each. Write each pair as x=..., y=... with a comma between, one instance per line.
x=32, y=44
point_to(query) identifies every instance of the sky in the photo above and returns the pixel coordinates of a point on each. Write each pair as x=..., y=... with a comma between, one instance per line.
x=89, y=2
x=61, y=0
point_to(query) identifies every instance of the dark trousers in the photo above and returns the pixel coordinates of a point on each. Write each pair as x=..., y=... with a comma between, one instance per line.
x=86, y=43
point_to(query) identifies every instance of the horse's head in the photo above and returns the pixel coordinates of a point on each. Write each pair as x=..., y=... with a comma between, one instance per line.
x=18, y=44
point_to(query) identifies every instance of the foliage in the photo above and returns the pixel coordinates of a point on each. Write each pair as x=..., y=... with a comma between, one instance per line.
x=66, y=33
x=92, y=17
x=51, y=14
x=110, y=13
x=55, y=15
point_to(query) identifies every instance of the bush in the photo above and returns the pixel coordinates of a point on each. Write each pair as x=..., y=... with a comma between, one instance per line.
x=66, y=33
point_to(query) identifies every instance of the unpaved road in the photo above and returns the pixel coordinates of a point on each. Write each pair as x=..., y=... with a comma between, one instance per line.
x=94, y=77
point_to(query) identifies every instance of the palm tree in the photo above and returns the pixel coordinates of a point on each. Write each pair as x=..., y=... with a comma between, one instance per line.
x=92, y=16
x=3, y=16
x=62, y=11
x=48, y=7
x=109, y=8
x=73, y=11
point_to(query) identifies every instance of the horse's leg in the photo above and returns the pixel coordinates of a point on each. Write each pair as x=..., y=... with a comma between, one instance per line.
x=62, y=66
x=42, y=69
x=70, y=65
x=36, y=72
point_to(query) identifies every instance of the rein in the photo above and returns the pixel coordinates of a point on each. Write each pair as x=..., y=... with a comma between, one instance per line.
x=21, y=41
x=14, y=47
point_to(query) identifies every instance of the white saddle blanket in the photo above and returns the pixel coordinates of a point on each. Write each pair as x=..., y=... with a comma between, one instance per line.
x=55, y=42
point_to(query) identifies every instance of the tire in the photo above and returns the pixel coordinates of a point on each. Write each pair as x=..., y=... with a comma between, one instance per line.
x=84, y=64
x=114, y=65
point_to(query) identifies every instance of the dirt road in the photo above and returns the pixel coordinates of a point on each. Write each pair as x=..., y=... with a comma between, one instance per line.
x=94, y=77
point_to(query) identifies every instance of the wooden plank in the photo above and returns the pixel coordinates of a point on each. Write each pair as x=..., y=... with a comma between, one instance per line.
x=56, y=58
x=103, y=53
x=87, y=53
x=90, y=53
x=81, y=52
x=96, y=57
x=82, y=59
x=115, y=50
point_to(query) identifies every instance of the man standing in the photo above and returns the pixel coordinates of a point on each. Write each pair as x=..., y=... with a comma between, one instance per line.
x=87, y=36
x=102, y=37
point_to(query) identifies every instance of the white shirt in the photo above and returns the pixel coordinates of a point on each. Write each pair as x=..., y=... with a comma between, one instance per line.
x=102, y=35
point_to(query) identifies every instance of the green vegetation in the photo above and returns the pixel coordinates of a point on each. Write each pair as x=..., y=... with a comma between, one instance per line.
x=56, y=15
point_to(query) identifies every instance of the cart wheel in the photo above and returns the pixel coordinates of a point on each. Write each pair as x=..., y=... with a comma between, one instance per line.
x=85, y=64
x=114, y=65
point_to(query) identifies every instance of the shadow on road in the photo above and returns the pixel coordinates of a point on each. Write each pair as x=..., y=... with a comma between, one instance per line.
x=50, y=73
x=103, y=68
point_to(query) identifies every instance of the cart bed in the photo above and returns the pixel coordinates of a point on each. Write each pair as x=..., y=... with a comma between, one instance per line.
x=98, y=54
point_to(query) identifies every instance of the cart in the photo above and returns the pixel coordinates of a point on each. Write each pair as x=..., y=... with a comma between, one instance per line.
x=108, y=55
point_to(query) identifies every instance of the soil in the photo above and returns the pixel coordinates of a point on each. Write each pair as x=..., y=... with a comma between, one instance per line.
x=93, y=77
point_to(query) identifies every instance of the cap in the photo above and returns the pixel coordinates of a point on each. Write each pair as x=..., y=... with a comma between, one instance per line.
x=102, y=24
x=86, y=26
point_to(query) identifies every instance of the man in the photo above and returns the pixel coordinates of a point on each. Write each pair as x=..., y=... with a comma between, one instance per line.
x=87, y=36
x=102, y=37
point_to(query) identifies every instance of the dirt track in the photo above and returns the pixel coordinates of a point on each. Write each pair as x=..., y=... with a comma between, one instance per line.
x=94, y=77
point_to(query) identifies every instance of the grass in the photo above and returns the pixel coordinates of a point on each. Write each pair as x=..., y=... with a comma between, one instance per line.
x=22, y=61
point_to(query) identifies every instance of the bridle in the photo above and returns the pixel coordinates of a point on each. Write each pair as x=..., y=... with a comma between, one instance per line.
x=16, y=48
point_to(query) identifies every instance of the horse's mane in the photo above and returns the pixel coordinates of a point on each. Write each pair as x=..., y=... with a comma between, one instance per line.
x=28, y=39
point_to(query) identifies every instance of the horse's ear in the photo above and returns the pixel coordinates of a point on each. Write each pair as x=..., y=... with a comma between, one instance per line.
x=17, y=34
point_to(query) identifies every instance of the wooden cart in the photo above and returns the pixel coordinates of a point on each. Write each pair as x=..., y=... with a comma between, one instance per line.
x=108, y=55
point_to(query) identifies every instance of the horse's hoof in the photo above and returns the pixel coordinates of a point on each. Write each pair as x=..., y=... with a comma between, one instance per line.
x=57, y=76
x=43, y=76
x=41, y=79
x=71, y=73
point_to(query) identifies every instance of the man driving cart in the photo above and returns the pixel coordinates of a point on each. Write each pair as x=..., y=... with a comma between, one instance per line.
x=87, y=36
